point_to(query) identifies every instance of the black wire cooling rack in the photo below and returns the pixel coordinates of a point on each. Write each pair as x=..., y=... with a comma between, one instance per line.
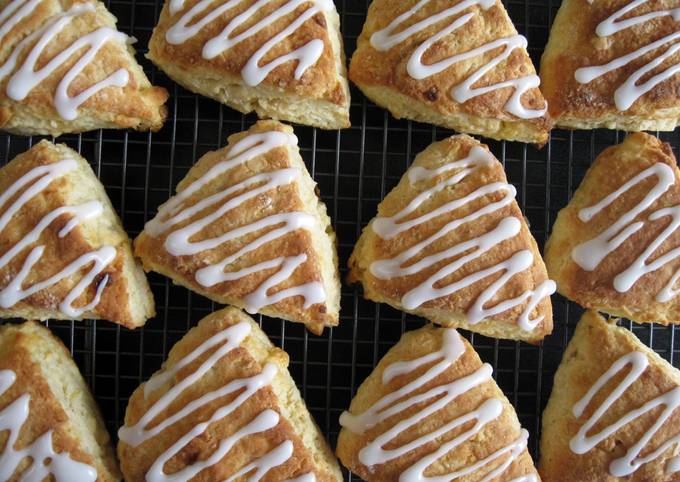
x=354, y=168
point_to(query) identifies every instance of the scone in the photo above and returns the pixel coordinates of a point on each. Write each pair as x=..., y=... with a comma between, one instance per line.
x=223, y=407
x=49, y=423
x=63, y=251
x=612, y=414
x=282, y=59
x=450, y=244
x=614, y=64
x=246, y=228
x=454, y=63
x=432, y=411
x=65, y=68
x=616, y=246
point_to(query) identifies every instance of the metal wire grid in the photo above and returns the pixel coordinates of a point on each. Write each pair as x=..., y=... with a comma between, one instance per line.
x=354, y=168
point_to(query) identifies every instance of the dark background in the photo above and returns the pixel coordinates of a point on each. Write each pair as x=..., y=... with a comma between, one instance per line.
x=354, y=168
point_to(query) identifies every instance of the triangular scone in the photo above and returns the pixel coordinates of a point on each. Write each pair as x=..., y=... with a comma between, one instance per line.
x=450, y=244
x=224, y=406
x=282, y=59
x=63, y=251
x=65, y=68
x=246, y=228
x=614, y=64
x=616, y=246
x=613, y=412
x=50, y=423
x=432, y=411
x=455, y=63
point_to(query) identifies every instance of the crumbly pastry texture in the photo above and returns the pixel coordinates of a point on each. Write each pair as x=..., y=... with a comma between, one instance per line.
x=223, y=406
x=65, y=68
x=449, y=243
x=63, y=251
x=613, y=64
x=246, y=228
x=614, y=247
x=282, y=59
x=38, y=373
x=638, y=391
x=460, y=65
x=430, y=408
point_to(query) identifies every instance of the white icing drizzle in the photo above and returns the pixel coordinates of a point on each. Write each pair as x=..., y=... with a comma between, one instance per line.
x=629, y=92
x=468, y=251
x=179, y=243
x=44, y=460
x=223, y=343
x=438, y=397
x=252, y=73
x=590, y=254
x=264, y=464
x=631, y=461
x=667, y=293
x=26, y=77
x=24, y=189
x=385, y=39
x=14, y=12
x=526, y=478
x=308, y=477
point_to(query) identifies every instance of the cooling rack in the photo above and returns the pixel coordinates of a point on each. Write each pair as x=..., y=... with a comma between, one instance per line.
x=354, y=168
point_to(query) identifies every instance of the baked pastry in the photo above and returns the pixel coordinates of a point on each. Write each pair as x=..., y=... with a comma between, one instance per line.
x=51, y=426
x=247, y=229
x=604, y=420
x=65, y=68
x=450, y=244
x=431, y=410
x=223, y=405
x=282, y=59
x=454, y=63
x=616, y=246
x=63, y=251
x=613, y=64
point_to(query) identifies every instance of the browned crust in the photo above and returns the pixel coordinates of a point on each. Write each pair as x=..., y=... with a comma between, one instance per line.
x=116, y=298
x=322, y=81
x=497, y=434
x=371, y=68
x=450, y=310
x=613, y=168
x=46, y=412
x=245, y=361
x=288, y=198
x=573, y=43
x=595, y=346
x=138, y=105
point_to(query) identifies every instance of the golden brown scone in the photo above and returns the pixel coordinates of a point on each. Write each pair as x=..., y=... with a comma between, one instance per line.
x=452, y=63
x=282, y=59
x=613, y=63
x=431, y=409
x=87, y=77
x=49, y=422
x=615, y=247
x=620, y=443
x=247, y=229
x=63, y=251
x=450, y=244
x=222, y=407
